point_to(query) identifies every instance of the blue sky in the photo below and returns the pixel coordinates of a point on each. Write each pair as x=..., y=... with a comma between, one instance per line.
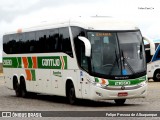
x=19, y=13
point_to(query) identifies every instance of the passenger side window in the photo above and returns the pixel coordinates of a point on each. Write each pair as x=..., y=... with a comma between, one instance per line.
x=65, y=42
x=6, y=45
x=29, y=43
x=53, y=41
x=79, y=47
x=41, y=40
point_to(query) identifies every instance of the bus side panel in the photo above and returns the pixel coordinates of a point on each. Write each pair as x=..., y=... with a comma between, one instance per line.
x=57, y=83
x=42, y=80
x=8, y=77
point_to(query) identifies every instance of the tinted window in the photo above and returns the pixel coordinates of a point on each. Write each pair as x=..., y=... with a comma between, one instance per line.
x=6, y=45
x=29, y=43
x=53, y=41
x=47, y=41
x=79, y=47
x=13, y=43
x=43, y=41
x=64, y=38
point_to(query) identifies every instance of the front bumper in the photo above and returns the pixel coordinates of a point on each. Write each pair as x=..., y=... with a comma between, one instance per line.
x=98, y=93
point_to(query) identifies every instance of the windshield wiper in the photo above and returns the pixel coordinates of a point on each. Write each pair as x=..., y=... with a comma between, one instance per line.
x=114, y=63
x=125, y=60
x=117, y=58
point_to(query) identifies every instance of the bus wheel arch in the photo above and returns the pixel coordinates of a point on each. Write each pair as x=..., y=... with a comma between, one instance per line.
x=156, y=75
x=70, y=92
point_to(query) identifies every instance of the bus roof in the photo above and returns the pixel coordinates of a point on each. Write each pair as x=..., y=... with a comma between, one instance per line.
x=94, y=23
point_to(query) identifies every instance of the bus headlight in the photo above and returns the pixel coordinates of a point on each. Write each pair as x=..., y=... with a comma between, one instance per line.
x=102, y=83
x=99, y=82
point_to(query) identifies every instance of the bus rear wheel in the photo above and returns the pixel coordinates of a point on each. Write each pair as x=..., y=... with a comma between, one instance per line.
x=156, y=76
x=23, y=88
x=18, y=90
x=120, y=101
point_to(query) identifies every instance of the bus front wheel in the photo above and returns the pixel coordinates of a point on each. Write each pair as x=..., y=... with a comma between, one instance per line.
x=71, y=94
x=120, y=101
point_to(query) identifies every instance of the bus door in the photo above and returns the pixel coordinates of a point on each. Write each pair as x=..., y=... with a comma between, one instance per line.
x=83, y=63
x=84, y=80
x=85, y=85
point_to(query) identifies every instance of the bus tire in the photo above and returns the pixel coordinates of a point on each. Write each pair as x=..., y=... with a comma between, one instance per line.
x=18, y=90
x=120, y=101
x=156, y=76
x=23, y=88
x=16, y=87
x=71, y=93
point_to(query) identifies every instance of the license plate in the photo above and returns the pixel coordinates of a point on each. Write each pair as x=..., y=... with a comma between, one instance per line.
x=121, y=94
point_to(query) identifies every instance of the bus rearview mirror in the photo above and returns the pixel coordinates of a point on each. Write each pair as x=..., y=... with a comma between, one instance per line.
x=87, y=45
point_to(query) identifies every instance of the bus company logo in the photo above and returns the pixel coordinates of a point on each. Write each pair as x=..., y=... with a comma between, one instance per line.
x=122, y=83
x=54, y=62
x=50, y=62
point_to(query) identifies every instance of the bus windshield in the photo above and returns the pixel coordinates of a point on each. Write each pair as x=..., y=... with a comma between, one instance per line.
x=117, y=53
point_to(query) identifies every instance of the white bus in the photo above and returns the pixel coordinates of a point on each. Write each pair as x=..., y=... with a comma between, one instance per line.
x=95, y=59
x=153, y=60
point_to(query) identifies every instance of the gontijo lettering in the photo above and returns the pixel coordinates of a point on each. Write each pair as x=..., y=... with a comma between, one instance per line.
x=50, y=62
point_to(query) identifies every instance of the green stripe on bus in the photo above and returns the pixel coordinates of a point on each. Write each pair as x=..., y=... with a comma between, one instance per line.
x=19, y=62
x=33, y=75
x=29, y=62
x=96, y=80
x=123, y=82
x=46, y=62
x=126, y=82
